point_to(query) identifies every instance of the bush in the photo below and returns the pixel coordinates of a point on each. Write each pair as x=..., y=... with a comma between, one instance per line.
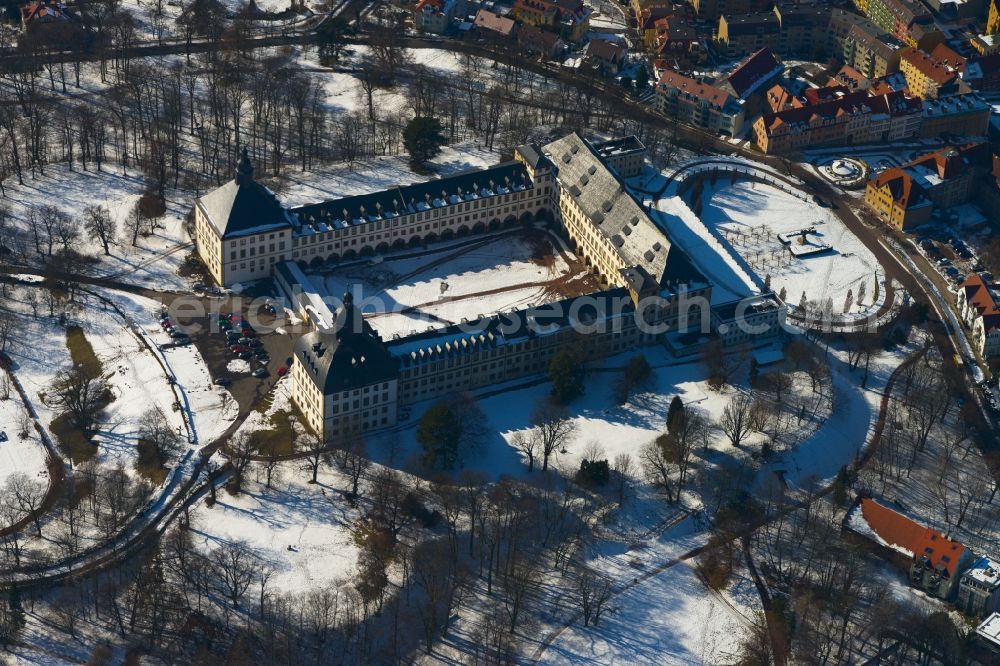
x=71, y=441
x=593, y=473
x=412, y=506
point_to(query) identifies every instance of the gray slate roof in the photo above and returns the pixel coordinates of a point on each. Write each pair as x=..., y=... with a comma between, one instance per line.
x=238, y=209
x=347, y=356
x=464, y=186
x=606, y=200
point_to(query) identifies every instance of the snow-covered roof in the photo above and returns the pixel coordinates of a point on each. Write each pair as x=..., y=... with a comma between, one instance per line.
x=610, y=206
x=989, y=630
x=985, y=571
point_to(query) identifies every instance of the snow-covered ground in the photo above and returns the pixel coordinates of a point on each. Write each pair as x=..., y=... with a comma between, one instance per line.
x=302, y=531
x=154, y=260
x=668, y=618
x=750, y=216
x=465, y=280
x=19, y=455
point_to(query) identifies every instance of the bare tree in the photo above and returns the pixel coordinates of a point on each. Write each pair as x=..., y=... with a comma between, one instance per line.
x=553, y=428
x=522, y=578
x=83, y=394
x=101, y=225
x=353, y=461
x=736, y=420
x=593, y=592
x=241, y=450
x=315, y=450
x=529, y=444
x=157, y=433
x=235, y=566
x=624, y=468
x=28, y=495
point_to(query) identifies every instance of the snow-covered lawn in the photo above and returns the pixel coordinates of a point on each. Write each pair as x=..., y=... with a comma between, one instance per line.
x=671, y=617
x=16, y=454
x=301, y=530
x=156, y=257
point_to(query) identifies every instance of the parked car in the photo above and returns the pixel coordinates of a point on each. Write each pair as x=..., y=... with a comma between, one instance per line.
x=260, y=373
x=246, y=356
x=177, y=334
x=166, y=323
x=245, y=325
x=255, y=342
x=239, y=349
x=223, y=381
x=262, y=356
x=282, y=371
x=245, y=342
x=182, y=340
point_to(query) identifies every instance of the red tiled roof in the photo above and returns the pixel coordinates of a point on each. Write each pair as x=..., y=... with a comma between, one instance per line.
x=704, y=91
x=980, y=297
x=936, y=71
x=490, y=21
x=905, y=192
x=848, y=76
x=948, y=56
x=749, y=72
x=898, y=530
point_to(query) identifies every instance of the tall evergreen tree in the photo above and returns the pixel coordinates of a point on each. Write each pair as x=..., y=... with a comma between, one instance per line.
x=423, y=138
x=566, y=373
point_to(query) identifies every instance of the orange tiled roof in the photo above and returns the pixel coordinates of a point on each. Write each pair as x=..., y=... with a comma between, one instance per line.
x=980, y=297
x=936, y=71
x=897, y=530
x=704, y=91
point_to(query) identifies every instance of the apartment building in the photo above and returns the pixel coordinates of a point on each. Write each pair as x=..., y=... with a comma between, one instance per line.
x=436, y=16
x=711, y=10
x=926, y=76
x=934, y=561
x=742, y=34
x=907, y=20
x=569, y=18
x=856, y=41
x=978, y=304
x=845, y=118
x=750, y=80
x=699, y=104
x=803, y=29
x=979, y=588
x=905, y=196
x=955, y=115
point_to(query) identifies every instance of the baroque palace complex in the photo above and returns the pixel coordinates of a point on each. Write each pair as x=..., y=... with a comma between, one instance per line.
x=346, y=379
